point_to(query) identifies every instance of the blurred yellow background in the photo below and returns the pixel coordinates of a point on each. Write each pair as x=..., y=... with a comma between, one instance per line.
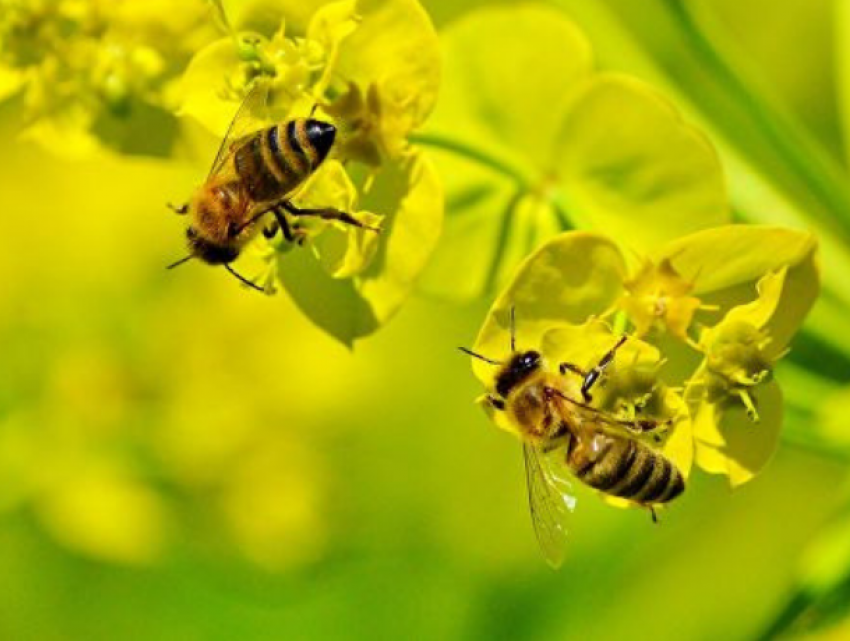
x=181, y=458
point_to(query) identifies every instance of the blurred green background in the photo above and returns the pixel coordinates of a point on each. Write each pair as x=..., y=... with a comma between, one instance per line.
x=181, y=459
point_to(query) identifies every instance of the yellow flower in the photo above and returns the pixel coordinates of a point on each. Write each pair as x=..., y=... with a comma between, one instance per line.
x=533, y=140
x=371, y=67
x=578, y=276
x=99, y=73
x=658, y=296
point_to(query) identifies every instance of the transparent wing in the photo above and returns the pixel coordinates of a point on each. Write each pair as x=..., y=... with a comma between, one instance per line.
x=550, y=502
x=600, y=416
x=250, y=117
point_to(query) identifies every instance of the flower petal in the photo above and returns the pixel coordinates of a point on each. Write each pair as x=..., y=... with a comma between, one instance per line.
x=630, y=165
x=513, y=68
x=395, y=44
x=730, y=255
x=728, y=442
x=343, y=250
x=727, y=261
x=351, y=309
x=570, y=278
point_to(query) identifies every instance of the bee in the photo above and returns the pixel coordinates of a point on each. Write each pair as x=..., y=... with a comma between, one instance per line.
x=253, y=175
x=596, y=447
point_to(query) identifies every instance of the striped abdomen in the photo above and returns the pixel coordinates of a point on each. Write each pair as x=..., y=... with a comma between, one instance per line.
x=623, y=467
x=274, y=161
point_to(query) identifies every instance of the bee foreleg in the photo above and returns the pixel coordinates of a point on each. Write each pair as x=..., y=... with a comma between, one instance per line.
x=326, y=214
x=181, y=210
x=495, y=402
x=593, y=375
x=270, y=231
x=280, y=217
x=569, y=367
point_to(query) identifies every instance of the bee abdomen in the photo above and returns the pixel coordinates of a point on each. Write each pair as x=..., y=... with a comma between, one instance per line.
x=649, y=478
x=601, y=461
x=625, y=468
x=271, y=163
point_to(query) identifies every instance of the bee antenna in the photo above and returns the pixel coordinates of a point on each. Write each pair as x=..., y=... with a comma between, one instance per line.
x=513, y=329
x=313, y=110
x=243, y=280
x=180, y=262
x=479, y=356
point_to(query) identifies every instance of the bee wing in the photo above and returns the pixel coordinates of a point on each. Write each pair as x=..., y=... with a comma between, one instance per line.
x=249, y=117
x=600, y=416
x=550, y=502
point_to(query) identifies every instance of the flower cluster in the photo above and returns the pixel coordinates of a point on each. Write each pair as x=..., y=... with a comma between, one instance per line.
x=708, y=316
x=372, y=69
x=534, y=140
x=83, y=68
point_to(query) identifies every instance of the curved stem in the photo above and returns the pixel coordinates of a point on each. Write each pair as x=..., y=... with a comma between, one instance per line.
x=507, y=223
x=475, y=154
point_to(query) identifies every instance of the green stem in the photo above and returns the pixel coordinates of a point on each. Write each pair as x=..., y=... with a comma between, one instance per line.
x=815, y=170
x=502, y=241
x=525, y=183
x=475, y=154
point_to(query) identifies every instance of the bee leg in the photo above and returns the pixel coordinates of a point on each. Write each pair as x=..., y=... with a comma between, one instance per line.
x=326, y=214
x=270, y=231
x=593, y=375
x=181, y=210
x=283, y=223
x=653, y=514
x=495, y=402
x=569, y=367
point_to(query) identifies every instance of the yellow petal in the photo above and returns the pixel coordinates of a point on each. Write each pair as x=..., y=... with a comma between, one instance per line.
x=679, y=446
x=396, y=46
x=730, y=255
x=203, y=85
x=408, y=189
x=628, y=164
x=512, y=70
x=567, y=280
x=728, y=442
x=342, y=249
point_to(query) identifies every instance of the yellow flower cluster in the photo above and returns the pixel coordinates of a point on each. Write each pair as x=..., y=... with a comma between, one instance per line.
x=372, y=69
x=82, y=67
x=707, y=366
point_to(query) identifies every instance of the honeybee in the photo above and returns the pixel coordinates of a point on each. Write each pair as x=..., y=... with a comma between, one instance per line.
x=599, y=449
x=255, y=174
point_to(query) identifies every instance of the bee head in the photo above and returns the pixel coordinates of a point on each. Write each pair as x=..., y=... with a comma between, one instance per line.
x=321, y=137
x=209, y=252
x=516, y=370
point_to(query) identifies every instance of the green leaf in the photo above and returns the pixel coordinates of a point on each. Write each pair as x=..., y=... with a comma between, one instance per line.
x=755, y=35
